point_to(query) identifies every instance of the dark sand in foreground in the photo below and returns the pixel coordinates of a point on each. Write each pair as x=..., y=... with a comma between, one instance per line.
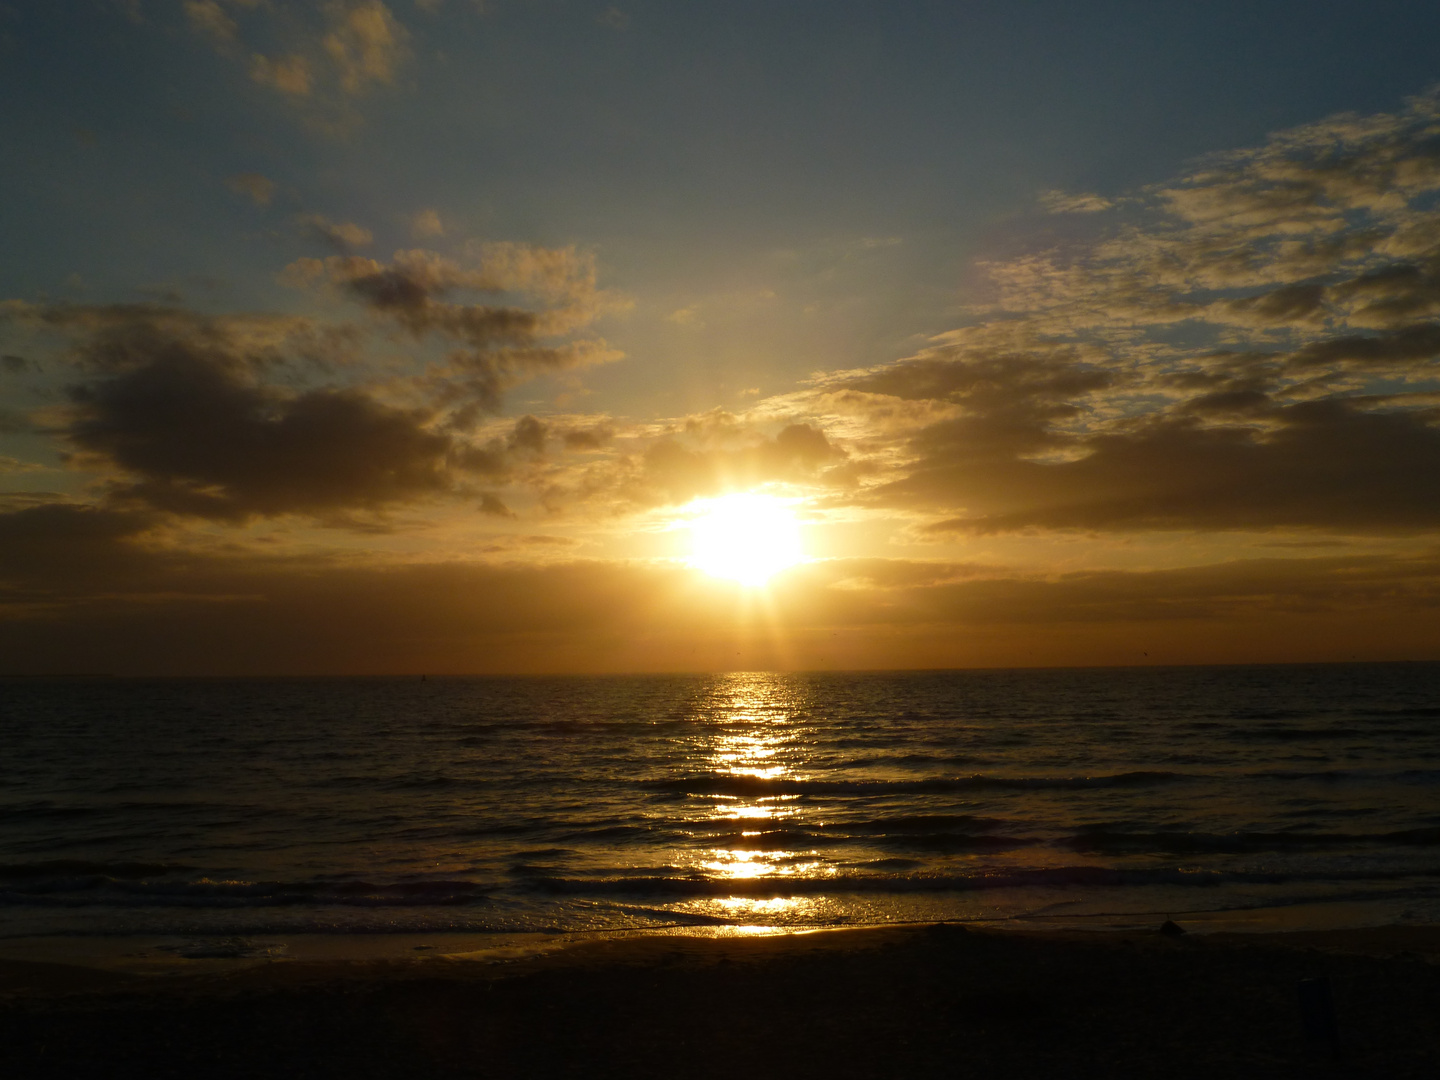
x=904, y=1001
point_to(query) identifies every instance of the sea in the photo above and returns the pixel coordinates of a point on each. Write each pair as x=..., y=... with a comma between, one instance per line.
x=720, y=802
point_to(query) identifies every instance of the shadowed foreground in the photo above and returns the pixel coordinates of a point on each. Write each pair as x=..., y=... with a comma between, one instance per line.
x=936, y=1001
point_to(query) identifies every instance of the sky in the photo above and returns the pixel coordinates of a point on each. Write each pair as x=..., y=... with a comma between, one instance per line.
x=425, y=336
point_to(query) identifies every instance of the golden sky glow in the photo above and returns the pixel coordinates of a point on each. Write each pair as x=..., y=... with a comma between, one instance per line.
x=433, y=339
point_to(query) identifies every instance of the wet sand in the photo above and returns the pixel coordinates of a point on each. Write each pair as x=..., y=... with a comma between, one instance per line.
x=898, y=1001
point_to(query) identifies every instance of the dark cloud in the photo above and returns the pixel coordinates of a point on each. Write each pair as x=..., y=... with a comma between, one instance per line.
x=499, y=345
x=340, y=235
x=17, y=365
x=1285, y=306
x=1397, y=347
x=119, y=337
x=499, y=458
x=210, y=417
x=55, y=552
x=588, y=438
x=201, y=441
x=987, y=378
x=676, y=473
x=491, y=504
x=58, y=530
x=409, y=293
x=1321, y=464
x=489, y=459
x=179, y=407
x=996, y=409
x=529, y=435
x=1391, y=295
x=13, y=422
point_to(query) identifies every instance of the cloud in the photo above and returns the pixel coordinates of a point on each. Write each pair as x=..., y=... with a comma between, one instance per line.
x=529, y=435
x=338, y=47
x=1061, y=202
x=258, y=189
x=600, y=470
x=1322, y=464
x=364, y=42
x=178, y=408
x=54, y=552
x=207, y=17
x=202, y=441
x=343, y=235
x=490, y=504
x=673, y=472
x=13, y=422
x=426, y=224
x=592, y=438
x=1253, y=345
x=115, y=337
x=499, y=345
x=288, y=74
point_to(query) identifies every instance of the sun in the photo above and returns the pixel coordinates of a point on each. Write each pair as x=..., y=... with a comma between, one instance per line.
x=745, y=537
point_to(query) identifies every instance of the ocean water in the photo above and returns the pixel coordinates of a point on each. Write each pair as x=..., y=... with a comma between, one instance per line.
x=360, y=805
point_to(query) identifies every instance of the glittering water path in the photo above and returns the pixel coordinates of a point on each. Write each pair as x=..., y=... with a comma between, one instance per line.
x=132, y=806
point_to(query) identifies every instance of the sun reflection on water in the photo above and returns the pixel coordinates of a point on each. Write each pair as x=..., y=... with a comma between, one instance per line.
x=750, y=729
x=757, y=812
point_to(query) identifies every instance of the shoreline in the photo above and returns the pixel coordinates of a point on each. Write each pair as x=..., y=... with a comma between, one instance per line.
x=871, y=1001
x=152, y=959
x=180, y=952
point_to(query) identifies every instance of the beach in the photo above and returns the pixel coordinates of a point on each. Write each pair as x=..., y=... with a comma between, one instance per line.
x=957, y=874
x=931, y=1000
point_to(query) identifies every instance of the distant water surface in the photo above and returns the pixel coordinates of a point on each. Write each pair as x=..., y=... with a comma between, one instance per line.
x=233, y=807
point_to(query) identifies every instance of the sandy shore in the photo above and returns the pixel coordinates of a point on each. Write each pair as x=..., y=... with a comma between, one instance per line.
x=896, y=1001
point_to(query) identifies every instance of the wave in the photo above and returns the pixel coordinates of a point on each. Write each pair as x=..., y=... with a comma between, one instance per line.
x=1336, y=776
x=61, y=885
x=951, y=843
x=1299, y=734
x=48, y=808
x=1014, y=878
x=909, y=760
x=658, y=883
x=1271, y=714
x=77, y=868
x=1188, y=843
x=773, y=839
x=610, y=832
x=921, y=823
x=830, y=836
x=733, y=784
x=1320, y=734
x=920, y=832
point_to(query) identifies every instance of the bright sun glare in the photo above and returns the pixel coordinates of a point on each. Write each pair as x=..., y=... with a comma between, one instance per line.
x=745, y=537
